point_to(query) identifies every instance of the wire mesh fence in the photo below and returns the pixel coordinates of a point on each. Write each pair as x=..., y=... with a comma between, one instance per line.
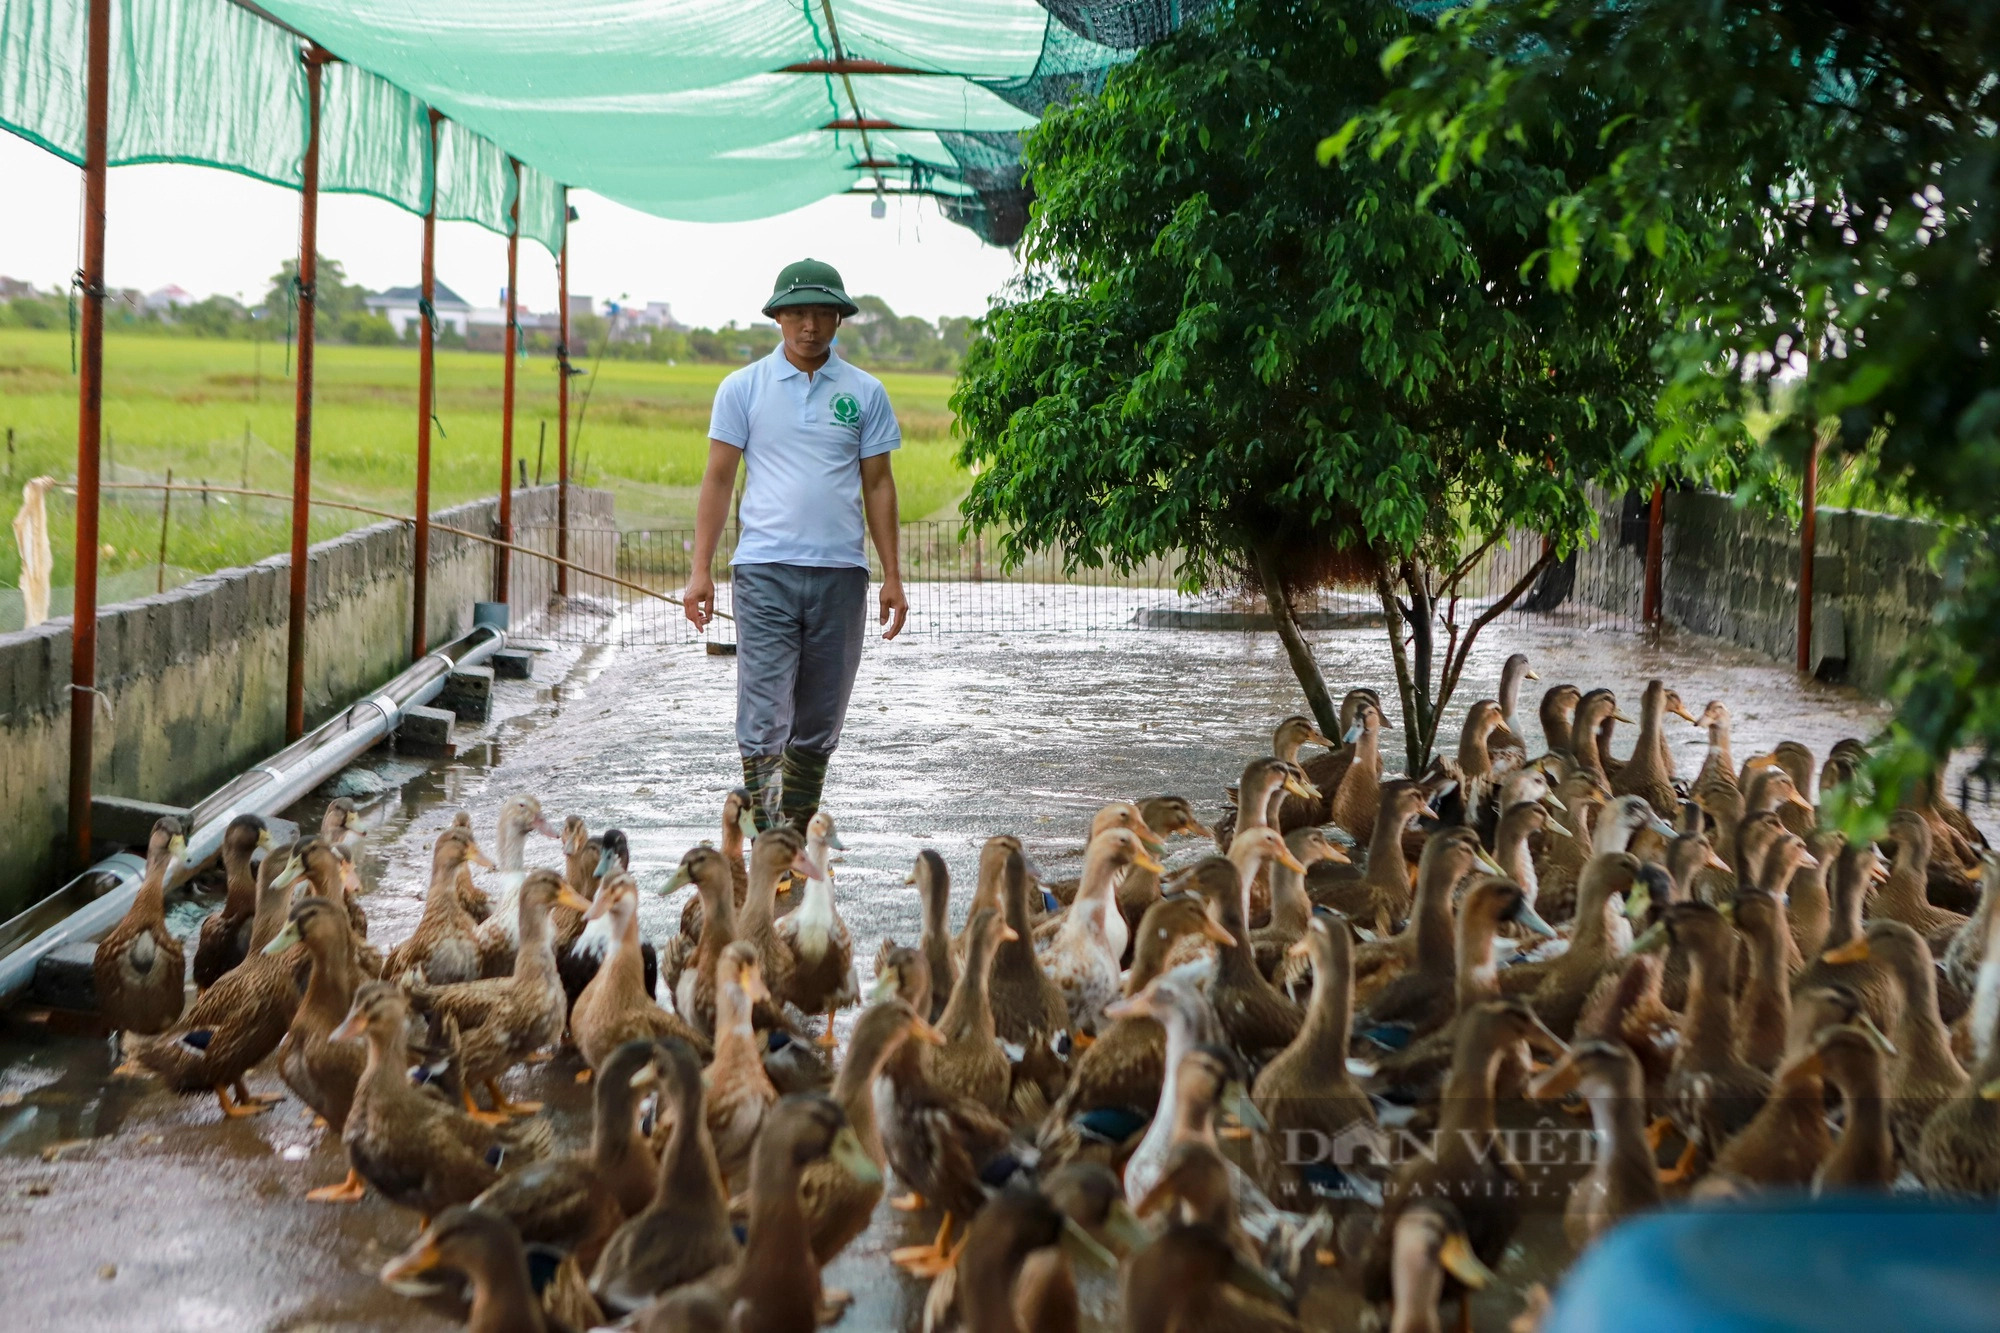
x=958, y=583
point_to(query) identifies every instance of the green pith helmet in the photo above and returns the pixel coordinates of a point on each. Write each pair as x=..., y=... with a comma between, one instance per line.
x=809, y=282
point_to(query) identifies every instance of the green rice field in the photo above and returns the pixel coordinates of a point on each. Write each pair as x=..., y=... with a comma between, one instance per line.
x=221, y=412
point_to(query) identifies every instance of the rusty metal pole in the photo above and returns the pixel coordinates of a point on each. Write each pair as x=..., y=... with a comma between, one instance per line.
x=500, y=570
x=427, y=310
x=89, y=429
x=1655, y=548
x=302, y=410
x=562, y=402
x=1808, y=540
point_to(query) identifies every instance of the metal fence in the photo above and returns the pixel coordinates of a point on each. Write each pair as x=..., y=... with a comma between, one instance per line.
x=957, y=583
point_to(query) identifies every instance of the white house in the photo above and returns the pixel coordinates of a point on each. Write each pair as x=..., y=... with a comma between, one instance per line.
x=399, y=305
x=169, y=299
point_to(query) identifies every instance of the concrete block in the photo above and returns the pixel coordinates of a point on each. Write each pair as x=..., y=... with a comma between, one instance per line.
x=513, y=664
x=468, y=692
x=426, y=733
x=65, y=979
x=1828, y=657
x=129, y=821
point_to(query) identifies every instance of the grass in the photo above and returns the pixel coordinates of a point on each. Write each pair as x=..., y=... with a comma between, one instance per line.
x=222, y=412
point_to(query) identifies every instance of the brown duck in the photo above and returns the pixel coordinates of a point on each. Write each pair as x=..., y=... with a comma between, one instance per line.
x=140, y=969
x=224, y=940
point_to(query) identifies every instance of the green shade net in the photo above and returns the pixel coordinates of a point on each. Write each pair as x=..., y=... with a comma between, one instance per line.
x=692, y=109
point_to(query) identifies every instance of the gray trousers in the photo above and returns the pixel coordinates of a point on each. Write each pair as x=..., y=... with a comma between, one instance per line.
x=798, y=645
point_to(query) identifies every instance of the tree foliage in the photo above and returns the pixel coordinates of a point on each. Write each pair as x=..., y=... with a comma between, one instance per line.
x=1816, y=186
x=1287, y=373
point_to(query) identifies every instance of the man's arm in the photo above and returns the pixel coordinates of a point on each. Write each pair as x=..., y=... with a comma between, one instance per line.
x=878, y=499
x=711, y=508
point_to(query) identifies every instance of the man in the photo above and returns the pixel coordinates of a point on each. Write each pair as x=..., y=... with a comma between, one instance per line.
x=816, y=435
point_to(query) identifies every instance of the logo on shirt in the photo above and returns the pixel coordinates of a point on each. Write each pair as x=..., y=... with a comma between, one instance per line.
x=846, y=409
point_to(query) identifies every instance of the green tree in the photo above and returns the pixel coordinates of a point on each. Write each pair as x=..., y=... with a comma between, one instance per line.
x=337, y=297
x=1287, y=375
x=1816, y=187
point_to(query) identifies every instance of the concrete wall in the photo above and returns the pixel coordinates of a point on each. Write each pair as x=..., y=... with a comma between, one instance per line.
x=193, y=680
x=1732, y=574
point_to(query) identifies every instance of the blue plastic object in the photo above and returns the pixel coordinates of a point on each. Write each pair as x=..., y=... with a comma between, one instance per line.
x=1791, y=1264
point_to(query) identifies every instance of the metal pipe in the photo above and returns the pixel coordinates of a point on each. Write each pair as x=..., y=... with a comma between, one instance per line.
x=1808, y=541
x=427, y=309
x=103, y=893
x=1655, y=548
x=562, y=402
x=89, y=433
x=302, y=404
x=501, y=585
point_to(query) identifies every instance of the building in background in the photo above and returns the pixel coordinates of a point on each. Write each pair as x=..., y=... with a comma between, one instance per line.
x=168, y=299
x=401, y=307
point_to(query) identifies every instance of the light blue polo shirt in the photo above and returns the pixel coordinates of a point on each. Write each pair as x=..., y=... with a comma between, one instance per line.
x=803, y=442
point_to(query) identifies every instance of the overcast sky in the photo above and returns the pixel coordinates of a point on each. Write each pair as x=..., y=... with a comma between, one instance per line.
x=216, y=232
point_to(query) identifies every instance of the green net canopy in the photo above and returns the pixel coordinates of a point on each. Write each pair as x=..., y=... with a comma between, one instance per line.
x=704, y=110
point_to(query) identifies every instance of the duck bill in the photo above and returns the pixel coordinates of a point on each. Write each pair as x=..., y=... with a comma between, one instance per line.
x=645, y=1076
x=848, y=1154
x=546, y=829
x=746, y=824
x=1284, y=857
x=1638, y=904
x=1713, y=860
x=1661, y=826
x=1303, y=790
x=352, y=1028
x=1854, y=951
x=573, y=900
x=598, y=906
x=833, y=841
x=1199, y=829
x=477, y=856
x=1529, y=919
x=290, y=874
x=1008, y=934
x=1337, y=856
x=1456, y=1258
x=1132, y=1006
x=680, y=880
x=925, y=1032
x=1124, y=1229
x=1142, y=861
x=413, y=1263
x=285, y=939
x=264, y=838
x=1236, y=1102
x=1617, y=716
x=1559, y=830
x=1558, y=1080
x=1083, y=1247
x=1351, y=735
x=1554, y=802
x=884, y=989
x=1680, y=711
x=1652, y=940
x=1807, y=861
x=1487, y=863
x=804, y=868
x=1876, y=1037
x=606, y=863
x=1215, y=930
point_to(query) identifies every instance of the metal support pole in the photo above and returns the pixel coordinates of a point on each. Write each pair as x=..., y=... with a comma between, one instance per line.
x=302, y=409
x=1808, y=540
x=562, y=403
x=427, y=310
x=500, y=570
x=89, y=427
x=1655, y=547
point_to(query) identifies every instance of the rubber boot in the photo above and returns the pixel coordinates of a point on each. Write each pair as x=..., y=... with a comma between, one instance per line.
x=762, y=779
x=804, y=775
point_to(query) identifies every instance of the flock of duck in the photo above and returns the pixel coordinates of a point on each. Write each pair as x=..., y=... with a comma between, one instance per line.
x=1208, y=1079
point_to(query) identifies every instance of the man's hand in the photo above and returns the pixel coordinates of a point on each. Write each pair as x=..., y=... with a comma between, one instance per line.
x=895, y=608
x=698, y=600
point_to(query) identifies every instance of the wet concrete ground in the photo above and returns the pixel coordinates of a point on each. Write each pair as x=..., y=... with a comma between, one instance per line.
x=124, y=1206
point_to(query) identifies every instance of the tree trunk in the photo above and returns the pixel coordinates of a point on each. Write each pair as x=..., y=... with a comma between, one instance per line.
x=1392, y=616
x=1304, y=665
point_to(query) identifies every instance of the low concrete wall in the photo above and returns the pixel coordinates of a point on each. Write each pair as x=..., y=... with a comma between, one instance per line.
x=192, y=681
x=1732, y=574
